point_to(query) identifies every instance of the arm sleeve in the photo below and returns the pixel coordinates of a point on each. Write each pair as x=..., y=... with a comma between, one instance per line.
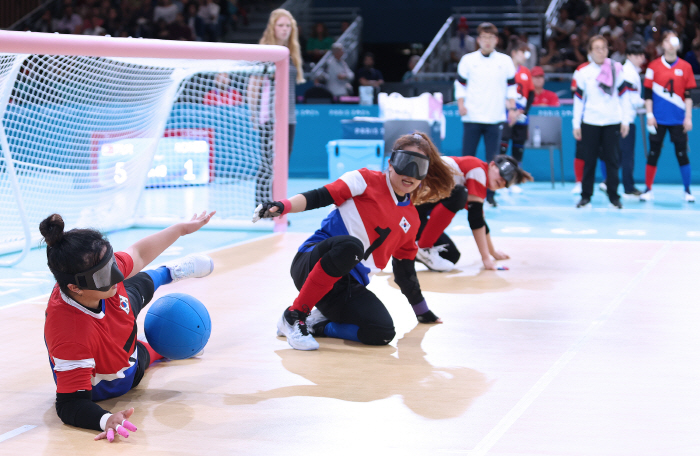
x=77, y=409
x=624, y=90
x=407, y=280
x=512, y=90
x=578, y=105
x=530, y=99
x=351, y=75
x=320, y=197
x=462, y=79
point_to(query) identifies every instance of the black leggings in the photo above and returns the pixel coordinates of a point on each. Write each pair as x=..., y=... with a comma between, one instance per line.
x=139, y=290
x=518, y=133
x=348, y=301
x=679, y=138
x=455, y=202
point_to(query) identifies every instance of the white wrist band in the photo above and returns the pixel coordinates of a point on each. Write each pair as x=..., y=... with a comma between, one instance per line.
x=650, y=114
x=103, y=420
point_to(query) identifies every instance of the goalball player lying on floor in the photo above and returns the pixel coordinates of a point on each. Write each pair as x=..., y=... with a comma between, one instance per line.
x=473, y=177
x=90, y=329
x=374, y=220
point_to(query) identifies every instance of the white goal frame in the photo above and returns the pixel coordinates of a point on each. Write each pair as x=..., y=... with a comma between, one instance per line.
x=32, y=43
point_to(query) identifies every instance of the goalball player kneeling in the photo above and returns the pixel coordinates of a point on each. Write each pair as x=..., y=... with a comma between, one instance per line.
x=374, y=220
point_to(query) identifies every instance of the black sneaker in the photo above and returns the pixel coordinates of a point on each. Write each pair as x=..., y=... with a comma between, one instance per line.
x=583, y=201
x=492, y=201
x=616, y=203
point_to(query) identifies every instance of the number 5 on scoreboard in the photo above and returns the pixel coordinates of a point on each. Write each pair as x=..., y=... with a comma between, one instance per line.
x=119, y=173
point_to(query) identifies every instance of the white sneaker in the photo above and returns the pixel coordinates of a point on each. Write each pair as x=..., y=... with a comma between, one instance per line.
x=515, y=189
x=689, y=198
x=577, y=188
x=432, y=259
x=196, y=265
x=315, y=317
x=297, y=334
x=603, y=187
x=646, y=196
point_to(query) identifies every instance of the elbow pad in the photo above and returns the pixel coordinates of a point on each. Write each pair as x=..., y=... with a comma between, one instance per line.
x=475, y=215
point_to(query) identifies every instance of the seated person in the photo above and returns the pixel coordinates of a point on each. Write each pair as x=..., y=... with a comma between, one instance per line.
x=336, y=75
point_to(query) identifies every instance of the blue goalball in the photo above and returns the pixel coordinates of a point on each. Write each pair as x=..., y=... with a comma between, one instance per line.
x=177, y=326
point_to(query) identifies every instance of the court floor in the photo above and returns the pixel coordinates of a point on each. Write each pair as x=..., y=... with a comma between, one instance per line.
x=588, y=345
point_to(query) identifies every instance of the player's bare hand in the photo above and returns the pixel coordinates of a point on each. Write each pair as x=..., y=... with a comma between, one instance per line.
x=651, y=120
x=196, y=222
x=117, y=423
x=513, y=117
x=462, y=110
x=489, y=265
x=624, y=130
x=500, y=255
x=577, y=134
x=687, y=124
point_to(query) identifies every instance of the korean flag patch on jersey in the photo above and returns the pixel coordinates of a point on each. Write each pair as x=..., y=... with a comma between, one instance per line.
x=124, y=303
x=405, y=226
x=678, y=72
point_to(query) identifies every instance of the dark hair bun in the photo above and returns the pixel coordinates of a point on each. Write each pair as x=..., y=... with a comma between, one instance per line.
x=52, y=229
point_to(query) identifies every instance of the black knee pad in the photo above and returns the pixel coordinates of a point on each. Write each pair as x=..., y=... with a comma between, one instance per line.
x=376, y=335
x=457, y=199
x=344, y=255
x=682, y=156
x=654, y=153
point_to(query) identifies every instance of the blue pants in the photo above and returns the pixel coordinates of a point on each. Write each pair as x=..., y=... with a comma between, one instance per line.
x=492, y=140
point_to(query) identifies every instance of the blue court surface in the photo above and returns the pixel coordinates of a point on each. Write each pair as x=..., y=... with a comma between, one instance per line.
x=538, y=212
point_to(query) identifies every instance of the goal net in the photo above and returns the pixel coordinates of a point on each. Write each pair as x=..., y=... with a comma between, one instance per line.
x=114, y=132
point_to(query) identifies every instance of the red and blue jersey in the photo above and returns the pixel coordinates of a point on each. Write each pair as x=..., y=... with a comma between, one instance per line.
x=367, y=208
x=93, y=350
x=470, y=172
x=668, y=83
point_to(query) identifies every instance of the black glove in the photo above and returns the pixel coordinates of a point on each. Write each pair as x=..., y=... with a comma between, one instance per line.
x=263, y=210
x=427, y=317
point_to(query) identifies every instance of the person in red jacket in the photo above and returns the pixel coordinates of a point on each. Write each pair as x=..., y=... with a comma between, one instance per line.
x=543, y=97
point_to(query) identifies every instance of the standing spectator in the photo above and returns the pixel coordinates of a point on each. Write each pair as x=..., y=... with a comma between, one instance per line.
x=516, y=127
x=600, y=117
x=282, y=30
x=462, y=43
x=667, y=85
x=165, y=10
x=693, y=57
x=45, y=24
x=543, y=97
x=319, y=43
x=612, y=28
x=485, y=83
x=208, y=12
x=336, y=75
x=368, y=75
x=563, y=28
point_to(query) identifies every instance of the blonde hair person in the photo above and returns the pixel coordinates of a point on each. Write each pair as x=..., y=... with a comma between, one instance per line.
x=285, y=33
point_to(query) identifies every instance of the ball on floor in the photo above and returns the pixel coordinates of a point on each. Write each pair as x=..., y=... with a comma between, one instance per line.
x=177, y=326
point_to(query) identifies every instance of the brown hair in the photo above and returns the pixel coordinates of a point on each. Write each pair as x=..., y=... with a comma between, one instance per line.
x=595, y=38
x=292, y=44
x=667, y=33
x=515, y=44
x=520, y=174
x=440, y=180
x=486, y=27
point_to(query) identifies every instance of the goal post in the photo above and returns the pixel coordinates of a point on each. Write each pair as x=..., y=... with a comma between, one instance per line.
x=120, y=132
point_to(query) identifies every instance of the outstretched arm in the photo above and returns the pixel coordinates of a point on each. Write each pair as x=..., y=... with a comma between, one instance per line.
x=407, y=280
x=148, y=248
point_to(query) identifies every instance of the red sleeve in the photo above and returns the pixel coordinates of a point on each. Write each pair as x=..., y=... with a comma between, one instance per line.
x=649, y=76
x=74, y=366
x=125, y=263
x=340, y=192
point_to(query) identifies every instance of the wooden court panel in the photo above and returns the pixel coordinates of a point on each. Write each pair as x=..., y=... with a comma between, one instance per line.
x=584, y=347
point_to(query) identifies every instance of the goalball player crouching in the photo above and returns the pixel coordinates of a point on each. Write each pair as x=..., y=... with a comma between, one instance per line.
x=374, y=220
x=90, y=329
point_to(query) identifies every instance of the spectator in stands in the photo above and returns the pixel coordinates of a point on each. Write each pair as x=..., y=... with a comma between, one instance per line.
x=575, y=54
x=344, y=25
x=94, y=27
x=113, y=24
x=462, y=43
x=165, y=10
x=208, y=12
x=693, y=57
x=555, y=60
x=563, y=28
x=235, y=13
x=543, y=97
x=611, y=26
x=368, y=75
x=642, y=12
x=194, y=22
x=485, y=84
x=658, y=25
x=412, y=61
x=45, y=24
x=600, y=118
x=71, y=22
x=179, y=30
x=600, y=10
x=577, y=9
x=319, y=43
x=622, y=9
x=630, y=34
x=282, y=30
x=336, y=75
x=618, y=49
